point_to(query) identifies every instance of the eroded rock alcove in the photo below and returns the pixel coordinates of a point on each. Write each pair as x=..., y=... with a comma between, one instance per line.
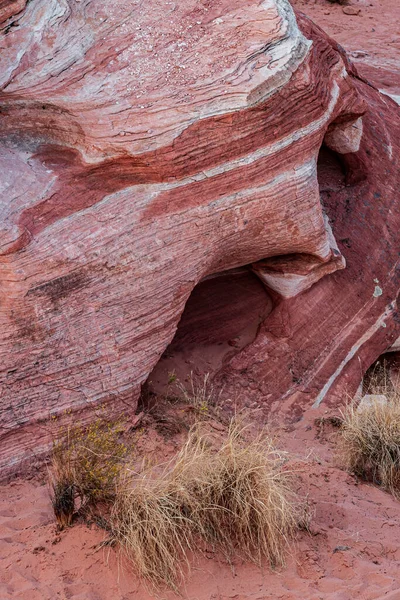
x=148, y=146
x=221, y=317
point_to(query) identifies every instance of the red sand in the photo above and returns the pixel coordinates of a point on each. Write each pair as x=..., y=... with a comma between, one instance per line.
x=353, y=549
x=371, y=38
x=351, y=552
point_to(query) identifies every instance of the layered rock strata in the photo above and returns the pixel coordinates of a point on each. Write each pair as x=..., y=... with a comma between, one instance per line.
x=148, y=145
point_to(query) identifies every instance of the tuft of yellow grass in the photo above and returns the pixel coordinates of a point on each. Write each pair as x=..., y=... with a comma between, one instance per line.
x=248, y=506
x=370, y=441
x=151, y=520
x=236, y=497
x=200, y=394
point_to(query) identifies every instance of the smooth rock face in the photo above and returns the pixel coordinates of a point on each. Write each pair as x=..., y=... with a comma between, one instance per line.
x=146, y=146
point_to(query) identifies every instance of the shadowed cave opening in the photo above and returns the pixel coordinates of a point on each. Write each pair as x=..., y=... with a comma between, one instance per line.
x=221, y=316
x=383, y=376
x=331, y=174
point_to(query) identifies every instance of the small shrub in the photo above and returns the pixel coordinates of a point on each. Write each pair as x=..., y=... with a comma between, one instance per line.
x=235, y=497
x=370, y=441
x=85, y=465
x=171, y=378
x=199, y=394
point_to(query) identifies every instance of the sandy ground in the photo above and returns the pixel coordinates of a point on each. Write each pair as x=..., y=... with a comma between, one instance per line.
x=351, y=551
x=371, y=38
x=353, y=548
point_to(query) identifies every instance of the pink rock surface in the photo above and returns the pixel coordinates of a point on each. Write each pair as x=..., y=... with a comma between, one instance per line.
x=146, y=146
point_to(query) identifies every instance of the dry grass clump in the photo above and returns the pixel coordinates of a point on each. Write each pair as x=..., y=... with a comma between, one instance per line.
x=199, y=394
x=235, y=497
x=248, y=507
x=85, y=465
x=152, y=520
x=370, y=442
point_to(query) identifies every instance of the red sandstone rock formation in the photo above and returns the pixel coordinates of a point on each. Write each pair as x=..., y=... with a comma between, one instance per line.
x=147, y=146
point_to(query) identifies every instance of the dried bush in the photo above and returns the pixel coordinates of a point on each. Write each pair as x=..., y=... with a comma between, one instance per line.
x=247, y=506
x=151, y=519
x=199, y=394
x=85, y=465
x=235, y=497
x=369, y=444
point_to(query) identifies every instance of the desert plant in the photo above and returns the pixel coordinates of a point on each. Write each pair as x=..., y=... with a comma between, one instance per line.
x=85, y=465
x=199, y=393
x=247, y=506
x=235, y=497
x=369, y=443
x=151, y=519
